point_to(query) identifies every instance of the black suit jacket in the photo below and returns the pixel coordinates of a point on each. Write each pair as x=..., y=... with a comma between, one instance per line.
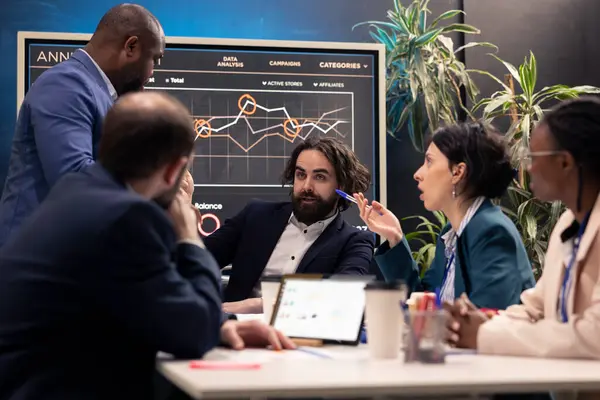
x=247, y=240
x=89, y=293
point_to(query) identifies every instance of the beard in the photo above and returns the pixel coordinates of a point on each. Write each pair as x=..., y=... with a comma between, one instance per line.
x=316, y=210
x=166, y=198
x=133, y=85
x=132, y=79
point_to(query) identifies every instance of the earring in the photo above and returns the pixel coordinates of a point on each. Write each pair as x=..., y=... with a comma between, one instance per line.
x=454, y=191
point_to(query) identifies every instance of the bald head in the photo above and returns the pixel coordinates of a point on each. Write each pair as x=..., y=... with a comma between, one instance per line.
x=127, y=43
x=126, y=20
x=144, y=132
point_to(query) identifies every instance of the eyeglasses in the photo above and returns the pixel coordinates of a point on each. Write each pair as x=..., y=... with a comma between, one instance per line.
x=527, y=156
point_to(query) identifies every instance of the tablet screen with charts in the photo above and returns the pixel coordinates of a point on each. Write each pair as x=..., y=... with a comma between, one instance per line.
x=331, y=310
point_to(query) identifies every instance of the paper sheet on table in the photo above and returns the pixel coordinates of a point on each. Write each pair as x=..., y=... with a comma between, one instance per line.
x=260, y=356
x=303, y=353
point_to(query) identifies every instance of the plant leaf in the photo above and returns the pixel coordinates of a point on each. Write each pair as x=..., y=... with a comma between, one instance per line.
x=446, y=15
x=476, y=44
x=421, y=252
x=403, y=25
x=525, y=80
x=465, y=28
x=441, y=217
x=403, y=117
x=533, y=70
x=423, y=17
x=413, y=21
x=381, y=39
x=427, y=37
x=585, y=89
x=539, y=114
x=386, y=38
x=430, y=256
x=486, y=73
x=380, y=24
x=531, y=226
x=497, y=102
x=511, y=68
x=525, y=129
x=447, y=42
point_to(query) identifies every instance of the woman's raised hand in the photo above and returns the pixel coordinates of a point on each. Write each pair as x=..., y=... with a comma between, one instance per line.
x=379, y=220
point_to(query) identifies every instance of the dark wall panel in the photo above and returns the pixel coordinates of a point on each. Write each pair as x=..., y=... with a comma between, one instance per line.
x=560, y=33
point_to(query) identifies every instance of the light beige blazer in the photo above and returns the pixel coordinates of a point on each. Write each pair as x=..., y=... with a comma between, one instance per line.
x=535, y=328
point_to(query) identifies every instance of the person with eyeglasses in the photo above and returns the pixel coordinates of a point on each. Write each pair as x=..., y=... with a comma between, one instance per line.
x=479, y=252
x=560, y=316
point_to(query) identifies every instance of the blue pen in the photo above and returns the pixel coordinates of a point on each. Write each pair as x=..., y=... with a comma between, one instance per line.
x=313, y=352
x=363, y=335
x=438, y=298
x=348, y=197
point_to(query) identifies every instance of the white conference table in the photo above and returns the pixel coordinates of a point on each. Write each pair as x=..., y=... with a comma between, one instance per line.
x=350, y=373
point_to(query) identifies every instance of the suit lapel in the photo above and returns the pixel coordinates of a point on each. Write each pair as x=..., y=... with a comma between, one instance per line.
x=321, y=243
x=553, y=276
x=462, y=282
x=265, y=243
x=590, y=232
x=559, y=256
x=588, y=238
x=89, y=65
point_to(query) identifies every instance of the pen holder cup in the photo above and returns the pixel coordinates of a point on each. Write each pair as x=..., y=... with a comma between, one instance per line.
x=425, y=336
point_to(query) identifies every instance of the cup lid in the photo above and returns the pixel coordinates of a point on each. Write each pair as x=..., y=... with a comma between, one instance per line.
x=384, y=285
x=271, y=278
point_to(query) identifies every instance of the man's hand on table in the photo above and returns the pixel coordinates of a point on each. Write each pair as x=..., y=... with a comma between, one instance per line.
x=241, y=334
x=248, y=306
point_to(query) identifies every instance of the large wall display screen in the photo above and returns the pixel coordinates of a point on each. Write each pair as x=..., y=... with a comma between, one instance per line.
x=252, y=102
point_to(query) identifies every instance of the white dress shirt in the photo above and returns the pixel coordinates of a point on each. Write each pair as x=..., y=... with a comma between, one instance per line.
x=293, y=243
x=109, y=85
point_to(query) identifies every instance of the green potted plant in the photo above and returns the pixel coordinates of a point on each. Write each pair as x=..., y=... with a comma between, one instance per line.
x=424, y=74
x=525, y=107
x=425, y=235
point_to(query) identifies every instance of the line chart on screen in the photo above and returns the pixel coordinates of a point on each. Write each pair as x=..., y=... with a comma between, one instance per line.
x=245, y=137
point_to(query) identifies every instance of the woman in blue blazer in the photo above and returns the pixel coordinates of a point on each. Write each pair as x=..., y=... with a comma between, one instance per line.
x=480, y=251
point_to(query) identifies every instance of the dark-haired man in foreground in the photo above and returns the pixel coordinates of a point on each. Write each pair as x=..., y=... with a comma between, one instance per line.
x=110, y=269
x=306, y=235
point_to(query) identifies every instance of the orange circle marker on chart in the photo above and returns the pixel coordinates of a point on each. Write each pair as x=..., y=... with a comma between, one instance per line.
x=202, y=128
x=242, y=104
x=209, y=216
x=288, y=131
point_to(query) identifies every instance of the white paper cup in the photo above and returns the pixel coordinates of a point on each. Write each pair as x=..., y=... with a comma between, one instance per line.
x=269, y=287
x=384, y=318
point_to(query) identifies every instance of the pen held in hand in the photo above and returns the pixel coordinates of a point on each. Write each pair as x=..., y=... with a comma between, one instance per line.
x=350, y=198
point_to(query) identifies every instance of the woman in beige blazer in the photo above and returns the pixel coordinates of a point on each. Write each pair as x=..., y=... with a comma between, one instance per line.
x=560, y=316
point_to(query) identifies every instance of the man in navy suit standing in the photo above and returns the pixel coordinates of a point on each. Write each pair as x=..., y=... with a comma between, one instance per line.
x=306, y=235
x=60, y=120
x=110, y=269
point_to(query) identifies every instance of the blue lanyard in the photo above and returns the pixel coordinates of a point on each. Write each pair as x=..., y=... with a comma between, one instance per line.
x=447, y=269
x=566, y=285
